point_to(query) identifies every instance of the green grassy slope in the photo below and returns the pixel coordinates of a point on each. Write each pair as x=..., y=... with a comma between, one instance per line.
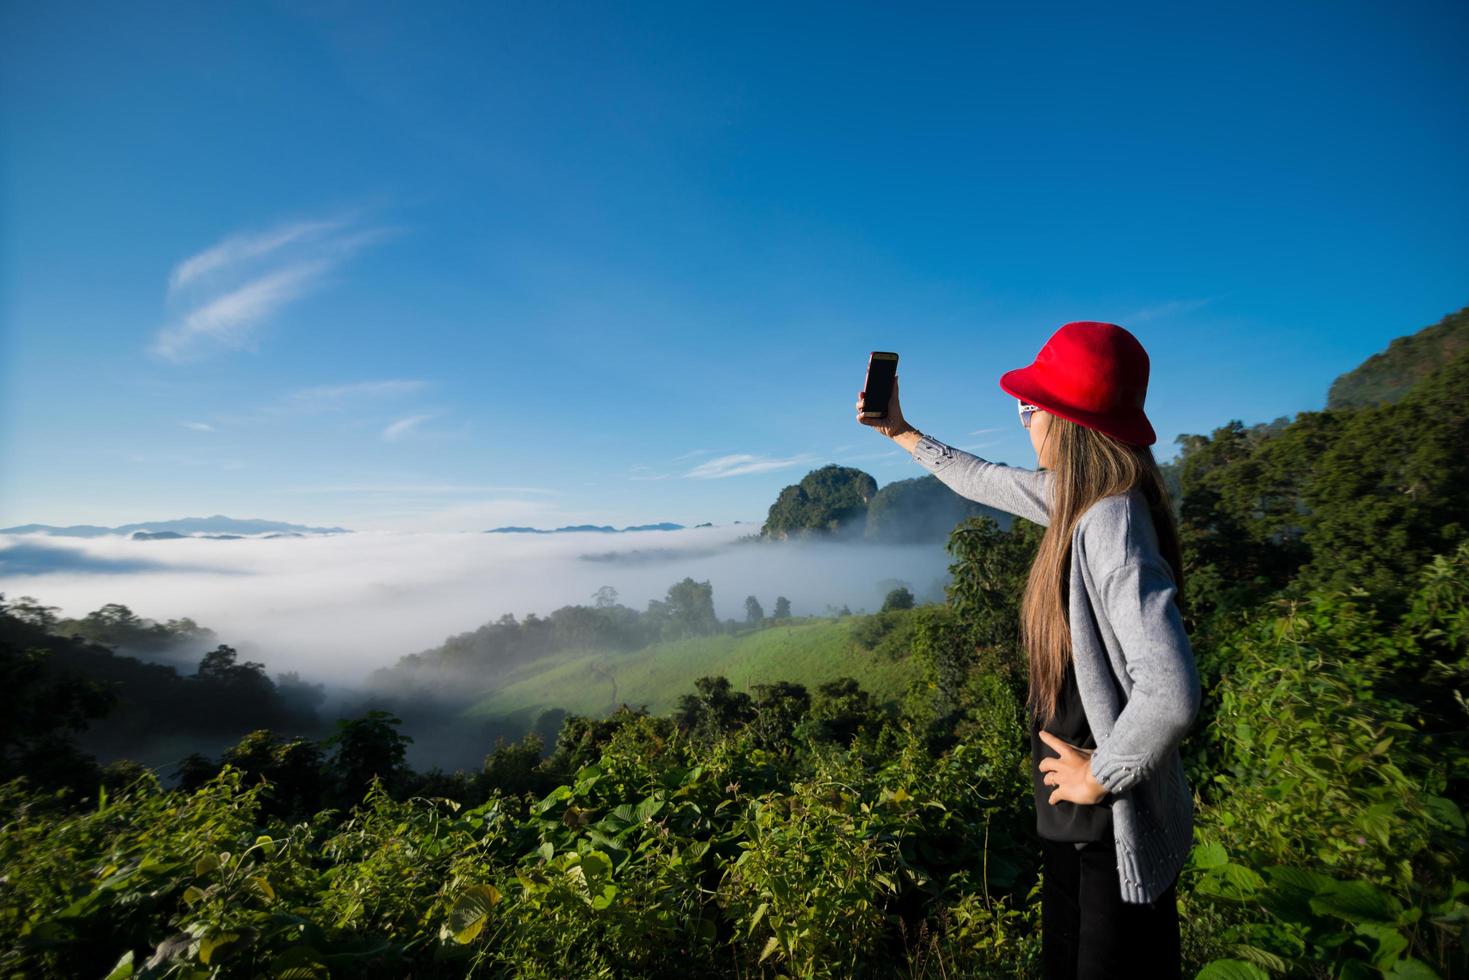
x=594, y=682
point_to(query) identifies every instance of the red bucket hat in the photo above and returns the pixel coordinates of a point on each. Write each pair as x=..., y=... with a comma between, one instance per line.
x=1094, y=374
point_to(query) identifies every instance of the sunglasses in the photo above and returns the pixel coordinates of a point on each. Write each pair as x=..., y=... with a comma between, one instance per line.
x=1026, y=411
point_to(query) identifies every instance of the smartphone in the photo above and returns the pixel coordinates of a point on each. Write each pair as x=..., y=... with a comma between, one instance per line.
x=882, y=368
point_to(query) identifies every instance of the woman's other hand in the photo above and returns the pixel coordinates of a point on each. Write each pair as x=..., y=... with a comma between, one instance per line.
x=894, y=424
x=1071, y=774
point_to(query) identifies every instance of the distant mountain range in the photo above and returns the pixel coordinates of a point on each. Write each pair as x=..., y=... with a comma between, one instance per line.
x=216, y=526
x=228, y=528
x=605, y=528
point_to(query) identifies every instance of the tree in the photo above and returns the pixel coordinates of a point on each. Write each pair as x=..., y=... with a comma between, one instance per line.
x=114, y=616
x=242, y=693
x=840, y=709
x=605, y=597
x=754, y=614
x=366, y=747
x=292, y=767
x=28, y=609
x=782, y=608
x=715, y=709
x=899, y=598
x=778, y=709
x=691, y=605
x=40, y=713
x=515, y=767
x=299, y=698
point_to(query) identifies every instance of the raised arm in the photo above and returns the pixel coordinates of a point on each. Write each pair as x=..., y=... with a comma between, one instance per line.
x=1013, y=489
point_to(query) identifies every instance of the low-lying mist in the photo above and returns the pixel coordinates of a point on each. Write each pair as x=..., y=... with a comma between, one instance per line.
x=335, y=608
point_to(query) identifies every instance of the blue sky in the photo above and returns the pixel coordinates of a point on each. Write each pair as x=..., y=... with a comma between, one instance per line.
x=467, y=265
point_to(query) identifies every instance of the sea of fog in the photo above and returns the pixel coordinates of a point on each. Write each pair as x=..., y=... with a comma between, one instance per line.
x=336, y=607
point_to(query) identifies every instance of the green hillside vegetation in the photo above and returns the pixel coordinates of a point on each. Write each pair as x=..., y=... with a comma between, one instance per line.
x=594, y=682
x=844, y=503
x=1387, y=376
x=783, y=831
x=830, y=501
x=1334, y=499
x=921, y=508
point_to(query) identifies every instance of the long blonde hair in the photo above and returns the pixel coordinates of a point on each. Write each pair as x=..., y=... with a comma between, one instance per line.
x=1089, y=465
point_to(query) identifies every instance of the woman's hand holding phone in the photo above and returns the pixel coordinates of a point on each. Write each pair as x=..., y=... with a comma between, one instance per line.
x=893, y=424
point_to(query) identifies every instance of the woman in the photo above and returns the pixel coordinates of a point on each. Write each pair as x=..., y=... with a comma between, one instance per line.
x=1113, y=685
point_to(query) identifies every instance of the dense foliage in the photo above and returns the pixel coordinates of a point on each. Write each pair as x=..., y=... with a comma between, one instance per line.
x=62, y=695
x=1387, y=376
x=482, y=656
x=828, y=502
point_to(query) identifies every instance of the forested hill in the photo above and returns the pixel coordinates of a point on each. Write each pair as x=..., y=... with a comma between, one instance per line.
x=1387, y=376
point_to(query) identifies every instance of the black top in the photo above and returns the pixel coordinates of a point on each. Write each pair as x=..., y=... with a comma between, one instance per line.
x=1064, y=820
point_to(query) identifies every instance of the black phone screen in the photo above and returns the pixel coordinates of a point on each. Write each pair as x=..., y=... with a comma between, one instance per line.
x=882, y=367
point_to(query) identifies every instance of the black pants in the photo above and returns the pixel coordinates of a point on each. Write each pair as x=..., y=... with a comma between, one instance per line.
x=1089, y=932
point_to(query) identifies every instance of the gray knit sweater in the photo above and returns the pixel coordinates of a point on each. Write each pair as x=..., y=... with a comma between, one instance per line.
x=1133, y=662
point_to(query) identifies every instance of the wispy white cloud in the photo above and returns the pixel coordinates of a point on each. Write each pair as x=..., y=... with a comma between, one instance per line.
x=1163, y=310
x=741, y=464
x=240, y=248
x=235, y=286
x=692, y=452
x=980, y=432
x=230, y=319
x=402, y=427
x=198, y=426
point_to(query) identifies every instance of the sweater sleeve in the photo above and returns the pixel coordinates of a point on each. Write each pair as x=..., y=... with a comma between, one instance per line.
x=1013, y=489
x=1137, y=600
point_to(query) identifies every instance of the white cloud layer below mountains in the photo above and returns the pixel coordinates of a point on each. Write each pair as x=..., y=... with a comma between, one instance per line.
x=337, y=607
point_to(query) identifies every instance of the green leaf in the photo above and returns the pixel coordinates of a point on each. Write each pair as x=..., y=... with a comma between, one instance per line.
x=470, y=913
x=298, y=963
x=206, y=864
x=123, y=969
x=210, y=945
x=1231, y=970
x=1357, y=901
x=1445, y=812
x=1233, y=882
x=648, y=808
x=609, y=894
x=193, y=895
x=552, y=798
x=596, y=865
x=1210, y=855
x=1390, y=942
x=755, y=919
x=771, y=945
x=1299, y=880
x=1377, y=820
x=1412, y=968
